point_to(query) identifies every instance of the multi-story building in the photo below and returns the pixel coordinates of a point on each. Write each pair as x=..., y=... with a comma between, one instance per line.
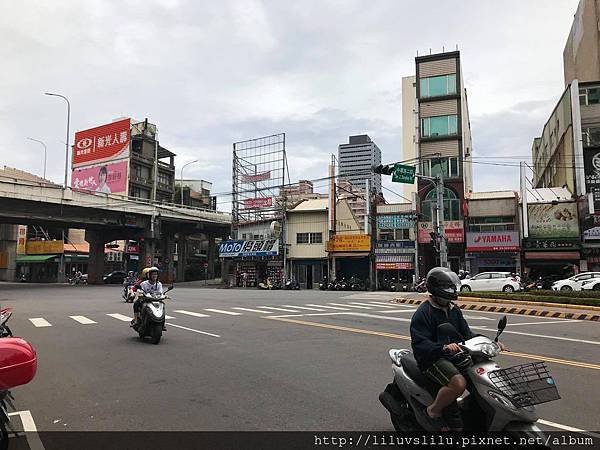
x=295, y=193
x=195, y=193
x=409, y=128
x=356, y=198
x=356, y=160
x=444, y=148
x=581, y=56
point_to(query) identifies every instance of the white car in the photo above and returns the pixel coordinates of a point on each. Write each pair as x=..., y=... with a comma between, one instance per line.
x=575, y=283
x=592, y=284
x=491, y=281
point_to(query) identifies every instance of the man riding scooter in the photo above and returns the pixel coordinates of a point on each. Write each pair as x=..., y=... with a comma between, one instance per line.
x=149, y=286
x=127, y=282
x=434, y=352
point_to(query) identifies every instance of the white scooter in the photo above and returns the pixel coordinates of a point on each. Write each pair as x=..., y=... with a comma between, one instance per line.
x=496, y=399
x=152, y=316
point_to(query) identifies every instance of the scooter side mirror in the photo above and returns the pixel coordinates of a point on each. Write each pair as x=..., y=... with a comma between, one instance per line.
x=501, y=326
x=170, y=288
x=449, y=330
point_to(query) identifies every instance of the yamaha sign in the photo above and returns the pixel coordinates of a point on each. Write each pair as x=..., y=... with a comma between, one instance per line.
x=493, y=241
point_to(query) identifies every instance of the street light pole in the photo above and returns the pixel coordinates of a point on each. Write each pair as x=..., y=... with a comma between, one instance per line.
x=68, y=124
x=181, y=179
x=45, y=152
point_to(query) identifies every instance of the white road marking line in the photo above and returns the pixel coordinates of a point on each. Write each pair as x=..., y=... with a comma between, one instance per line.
x=372, y=306
x=121, y=317
x=279, y=309
x=220, y=311
x=310, y=314
x=396, y=311
x=254, y=310
x=82, y=319
x=26, y=419
x=395, y=305
x=328, y=307
x=581, y=341
x=191, y=329
x=566, y=427
x=190, y=313
x=303, y=307
x=352, y=306
x=544, y=323
x=169, y=317
x=478, y=317
x=374, y=316
x=40, y=322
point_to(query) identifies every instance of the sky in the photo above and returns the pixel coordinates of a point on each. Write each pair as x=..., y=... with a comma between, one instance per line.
x=210, y=73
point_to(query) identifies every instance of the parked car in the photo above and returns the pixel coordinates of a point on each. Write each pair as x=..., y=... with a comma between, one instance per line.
x=491, y=281
x=592, y=284
x=115, y=277
x=575, y=282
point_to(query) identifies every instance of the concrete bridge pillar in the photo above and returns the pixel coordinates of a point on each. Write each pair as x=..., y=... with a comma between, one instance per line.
x=210, y=255
x=96, y=256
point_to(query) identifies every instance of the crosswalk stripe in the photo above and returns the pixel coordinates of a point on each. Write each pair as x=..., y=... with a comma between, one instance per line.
x=190, y=313
x=304, y=307
x=40, y=322
x=383, y=303
x=120, y=317
x=352, y=306
x=220, y=311
x=169, y=317
x=367, y=304
x=328, y=307
x=279, y=309
x=254, y=310
x=82, y=319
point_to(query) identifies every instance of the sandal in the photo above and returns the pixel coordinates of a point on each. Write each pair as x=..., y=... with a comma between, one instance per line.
x=437, y=423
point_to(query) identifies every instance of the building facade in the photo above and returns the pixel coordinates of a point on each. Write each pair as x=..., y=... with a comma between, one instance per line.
x=356, y=160
x=581, y=56
x=409, y=128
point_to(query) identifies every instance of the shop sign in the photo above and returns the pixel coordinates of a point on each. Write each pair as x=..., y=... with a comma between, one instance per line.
x=591, y=164
x=44, y=247
x=392, y=247
x=557, y=221
x=493, y=262
x=349, y=243
x=453, y=230
x=395, y=221
x=259, y=202
x=394, y=266
x=241, y=248
x=132, y=249
x=493, y=241
x=591, y=228
x=549, y=244
x=21, y=239
x=394, y=258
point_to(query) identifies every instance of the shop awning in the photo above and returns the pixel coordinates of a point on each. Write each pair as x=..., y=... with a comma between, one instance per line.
x=34, y=258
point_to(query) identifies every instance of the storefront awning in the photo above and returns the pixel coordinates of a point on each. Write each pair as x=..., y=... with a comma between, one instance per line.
x=34, y=258
x=349, y=254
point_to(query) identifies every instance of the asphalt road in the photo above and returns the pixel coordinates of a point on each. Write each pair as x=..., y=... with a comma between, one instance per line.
x=315, y=361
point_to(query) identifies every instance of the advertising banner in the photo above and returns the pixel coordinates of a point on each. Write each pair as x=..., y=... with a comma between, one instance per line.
x=257, y=177
x=394, y=247
x=132, y=249
x=394, y=266
x=453, y=230
x=45, y=247
x=103, y=143
x=108, y=178
x=349, y=243
x=253, y=203
x=549, y=221
x=591, y=164
x=240, y=248
x=395, y=221
x=21, y=240
x=493, y=241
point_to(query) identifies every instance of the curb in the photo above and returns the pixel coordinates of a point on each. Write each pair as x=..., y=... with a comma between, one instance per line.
x=531, y=303
x=514, y=310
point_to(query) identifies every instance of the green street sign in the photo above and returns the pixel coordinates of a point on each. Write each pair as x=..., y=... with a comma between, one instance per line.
x=403, y=174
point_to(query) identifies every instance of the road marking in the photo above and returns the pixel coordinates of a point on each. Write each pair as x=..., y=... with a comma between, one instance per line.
x=387, y=311
x=367, y=304
x=121, y=317
x=40, y=322
x=254, y=310
x=82, y=319
x=375, y=316
x=328, y=307
x=566, y=427
x=312, y=314
x=388, y=304
x=26, y=419
x=544, y=323
x=352, y=306
x=190, y=313
x=169, y=317
x=407, y=338
x=280, y=309
x=220, y=311
x=303, y=307
x=558, y=338
x=192, y=329
x=478, y=318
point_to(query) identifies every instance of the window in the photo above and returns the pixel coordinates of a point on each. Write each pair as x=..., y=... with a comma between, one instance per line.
x=164, y=178
x=448, y=167
x=137, y=171
x=589, y=96
x=302, y=238
x=483, y=276
x=451, y=205
x=591, y=136
x=499, y=275
x=309, y=238
x=439, y=126
x=316, y=238
x=437, y=86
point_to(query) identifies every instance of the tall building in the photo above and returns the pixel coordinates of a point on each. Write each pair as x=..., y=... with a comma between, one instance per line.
x=443, y=147
x=581, y=56
x=357, y=158
x=409, y=128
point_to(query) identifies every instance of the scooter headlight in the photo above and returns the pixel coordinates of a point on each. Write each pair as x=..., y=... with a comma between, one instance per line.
x=490, y=349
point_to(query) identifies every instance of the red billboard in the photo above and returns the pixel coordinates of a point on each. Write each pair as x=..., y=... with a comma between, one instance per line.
x=103, y=143
x=257, y=177
x=258, y=202
x=107, y=178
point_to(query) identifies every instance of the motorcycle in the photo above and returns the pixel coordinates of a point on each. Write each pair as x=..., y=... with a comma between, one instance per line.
x=421, y=286
x=152, y=316
x=323, y=285
x=356, y=284
x=5, y=314
x=292, y=285
x=77, y=280
x=128, y=293
x=497, y=399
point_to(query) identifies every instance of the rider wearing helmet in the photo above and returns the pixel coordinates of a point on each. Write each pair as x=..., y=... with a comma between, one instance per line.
x=138, y=285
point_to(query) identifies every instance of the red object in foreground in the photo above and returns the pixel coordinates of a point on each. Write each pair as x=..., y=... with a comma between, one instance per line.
x=18, y=362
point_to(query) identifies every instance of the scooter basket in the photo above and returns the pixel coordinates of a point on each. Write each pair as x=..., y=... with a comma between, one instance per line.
x=527, y=384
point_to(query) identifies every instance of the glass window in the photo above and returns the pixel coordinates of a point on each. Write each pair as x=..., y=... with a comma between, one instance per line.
x=437, y=86
x=439, y=126
x=451, y=205
x=453, y=167
x=482, y=276
x=302, y=238
x=316, y=238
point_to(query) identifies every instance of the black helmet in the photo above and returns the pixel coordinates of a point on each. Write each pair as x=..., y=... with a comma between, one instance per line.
x=443, y=285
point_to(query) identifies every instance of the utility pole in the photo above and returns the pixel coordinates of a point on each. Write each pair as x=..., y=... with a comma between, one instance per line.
x=439, y=186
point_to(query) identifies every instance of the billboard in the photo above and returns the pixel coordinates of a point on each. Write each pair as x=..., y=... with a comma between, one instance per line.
x=108, y=178
x=493, y=241
x=102, y=144
x=45, y=247
x=240, y=248
x=21, y=240
x=349, y=243
x=591, y=164
x=260, y=202
x=395, y=221
x=453, y=230
x=553, y=221
x=257, y=177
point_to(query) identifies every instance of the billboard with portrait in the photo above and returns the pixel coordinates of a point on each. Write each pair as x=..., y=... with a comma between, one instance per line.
x=553, y=221
x=105, y=178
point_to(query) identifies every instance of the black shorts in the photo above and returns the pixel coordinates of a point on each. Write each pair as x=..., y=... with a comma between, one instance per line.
x=440, y=373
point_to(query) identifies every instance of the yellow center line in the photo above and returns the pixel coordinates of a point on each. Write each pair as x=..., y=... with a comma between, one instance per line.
x=407, y=338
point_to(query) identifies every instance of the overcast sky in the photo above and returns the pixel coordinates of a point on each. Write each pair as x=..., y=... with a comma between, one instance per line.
x=212, y=73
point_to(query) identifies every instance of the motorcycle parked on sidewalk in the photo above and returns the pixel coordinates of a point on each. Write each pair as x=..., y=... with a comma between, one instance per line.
x=497, y=400
x=356, y=284
x=292, y=285
x=152, y=316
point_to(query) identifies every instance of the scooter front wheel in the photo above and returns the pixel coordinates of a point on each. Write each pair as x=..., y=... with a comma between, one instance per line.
x=156, y=333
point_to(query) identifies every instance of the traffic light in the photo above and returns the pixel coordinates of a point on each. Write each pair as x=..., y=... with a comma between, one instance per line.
x=384, y=169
